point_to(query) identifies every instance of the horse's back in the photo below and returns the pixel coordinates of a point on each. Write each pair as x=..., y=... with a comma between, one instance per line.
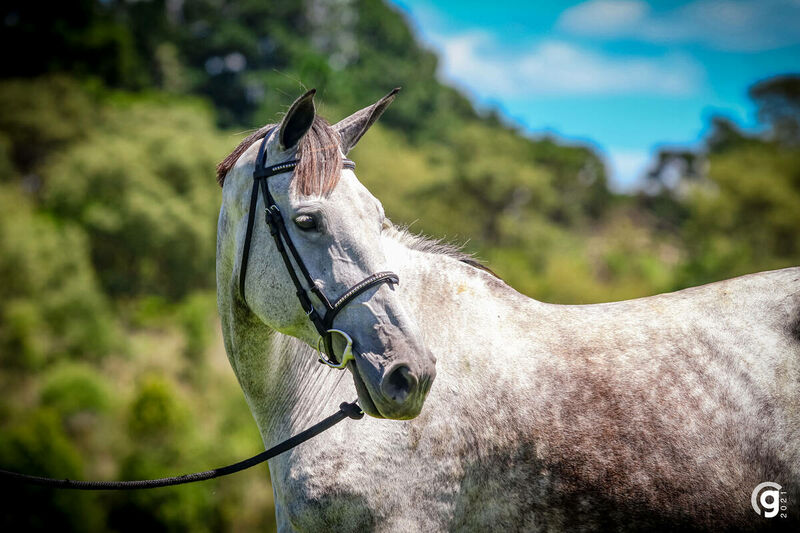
x=740, y=334
x=696, y=391
x=746, y=311
x=773, y=289
x=776, y=293
x=751, y=320
x=756, y=316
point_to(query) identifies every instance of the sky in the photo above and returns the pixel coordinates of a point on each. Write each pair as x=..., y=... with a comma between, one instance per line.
x=626, y=76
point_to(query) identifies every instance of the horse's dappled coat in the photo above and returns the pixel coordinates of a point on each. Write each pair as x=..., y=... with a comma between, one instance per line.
x=661, y=411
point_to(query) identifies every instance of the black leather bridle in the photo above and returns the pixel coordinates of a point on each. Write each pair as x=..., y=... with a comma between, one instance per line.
x=277, y=227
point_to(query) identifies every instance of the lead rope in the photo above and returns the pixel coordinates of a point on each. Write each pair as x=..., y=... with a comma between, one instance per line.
x=321, y=323
x=346, y=410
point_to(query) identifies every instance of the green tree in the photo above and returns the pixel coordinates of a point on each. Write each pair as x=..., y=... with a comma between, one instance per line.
x=778, y=102
x=735, y=202
x=141, y=188
x=38, y=445
x=50, y=302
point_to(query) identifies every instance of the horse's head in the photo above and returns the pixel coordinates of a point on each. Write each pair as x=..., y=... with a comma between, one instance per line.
x=335, y=224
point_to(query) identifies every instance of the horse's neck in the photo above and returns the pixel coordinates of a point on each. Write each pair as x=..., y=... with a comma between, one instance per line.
x=471, y=320
x=286, y=388
x=468, y=318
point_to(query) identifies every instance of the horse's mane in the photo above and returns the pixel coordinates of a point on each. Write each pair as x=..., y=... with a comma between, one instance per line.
x=318, y=152
x=425, y=244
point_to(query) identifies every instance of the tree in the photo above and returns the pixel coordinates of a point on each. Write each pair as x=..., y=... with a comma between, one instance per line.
x=778, y=102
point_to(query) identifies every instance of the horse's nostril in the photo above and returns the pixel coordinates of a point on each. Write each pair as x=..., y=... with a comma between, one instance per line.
x=399, y=383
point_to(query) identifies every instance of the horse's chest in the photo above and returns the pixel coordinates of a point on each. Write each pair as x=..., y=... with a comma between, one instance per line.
x=401, y=493
x=325, y=493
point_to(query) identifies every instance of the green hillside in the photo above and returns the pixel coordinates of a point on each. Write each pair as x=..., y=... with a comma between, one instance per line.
x=113, y=119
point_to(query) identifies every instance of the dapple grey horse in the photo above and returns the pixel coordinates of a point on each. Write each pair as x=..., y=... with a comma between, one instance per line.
x=515, y=415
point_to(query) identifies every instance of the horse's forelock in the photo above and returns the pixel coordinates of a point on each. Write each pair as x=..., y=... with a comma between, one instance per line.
x=318, y=152
x=320, y=160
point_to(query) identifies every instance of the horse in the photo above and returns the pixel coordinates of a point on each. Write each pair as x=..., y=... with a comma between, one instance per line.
x=488, y=410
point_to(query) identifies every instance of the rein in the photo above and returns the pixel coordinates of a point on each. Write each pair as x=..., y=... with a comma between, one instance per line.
x=346, y=410
x=323, y=325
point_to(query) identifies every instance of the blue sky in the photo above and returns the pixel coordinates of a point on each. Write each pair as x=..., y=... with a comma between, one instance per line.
x=627, y=76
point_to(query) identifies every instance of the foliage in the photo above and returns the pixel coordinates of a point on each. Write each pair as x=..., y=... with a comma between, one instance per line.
x=37, y=445
x=72, y=389
x=160, y=422
x=194, y=319
x=137, y=186
x=734, y=204
x=50, y=302
x=744, y=215
x=41, y=117
x=111, y=357
x=778, y=101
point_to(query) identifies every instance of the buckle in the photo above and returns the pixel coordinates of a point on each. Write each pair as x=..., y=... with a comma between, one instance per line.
x=347, y=355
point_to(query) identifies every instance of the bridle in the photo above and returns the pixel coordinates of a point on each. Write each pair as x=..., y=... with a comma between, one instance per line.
x=277, y=228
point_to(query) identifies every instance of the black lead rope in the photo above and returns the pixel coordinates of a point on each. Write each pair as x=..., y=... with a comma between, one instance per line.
x=346, y=410
x=321, y=323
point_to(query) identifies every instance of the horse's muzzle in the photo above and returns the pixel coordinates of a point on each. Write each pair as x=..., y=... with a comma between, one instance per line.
x=398, y=392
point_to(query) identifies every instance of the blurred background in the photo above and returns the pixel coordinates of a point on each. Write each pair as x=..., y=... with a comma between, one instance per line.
x=586, y=151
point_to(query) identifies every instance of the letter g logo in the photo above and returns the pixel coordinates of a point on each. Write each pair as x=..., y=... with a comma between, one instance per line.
x=769, y=499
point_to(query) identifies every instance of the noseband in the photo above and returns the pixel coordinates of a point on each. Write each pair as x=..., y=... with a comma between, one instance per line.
x=277, y=228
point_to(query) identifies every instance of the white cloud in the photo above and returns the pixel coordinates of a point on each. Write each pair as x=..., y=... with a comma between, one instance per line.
x=475, y=60
x=737, y=25
x=603, y=17
x=627, y=167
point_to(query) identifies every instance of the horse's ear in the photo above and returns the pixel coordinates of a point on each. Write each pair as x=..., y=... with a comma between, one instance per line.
x=297, y=120
x=352, y=128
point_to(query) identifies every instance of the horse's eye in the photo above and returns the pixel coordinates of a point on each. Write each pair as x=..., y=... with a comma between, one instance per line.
x=305, y=222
